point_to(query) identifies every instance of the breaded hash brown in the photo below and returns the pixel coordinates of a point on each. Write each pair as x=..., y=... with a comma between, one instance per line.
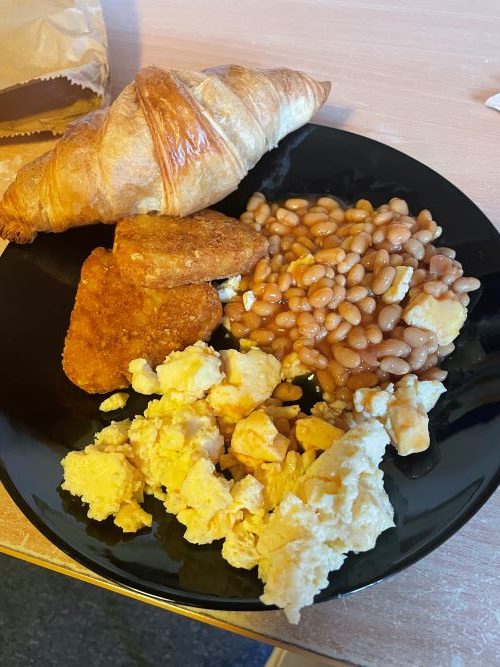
x=114, y=322
x=162, y=251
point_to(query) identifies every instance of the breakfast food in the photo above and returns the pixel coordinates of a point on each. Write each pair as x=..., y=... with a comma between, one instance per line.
x=402, y=410
x=116, y=401
x=293, y=511
x=151, y=293
x=250, y=380
x=162, y=251
x=338, y=505
x=359, y=296
x=113, y=322
x=173, y=142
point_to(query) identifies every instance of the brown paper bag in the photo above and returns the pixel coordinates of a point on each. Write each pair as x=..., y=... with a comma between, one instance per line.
x=54, y=64
x=53, y=69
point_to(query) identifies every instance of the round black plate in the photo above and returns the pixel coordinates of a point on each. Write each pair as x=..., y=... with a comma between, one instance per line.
x=42, y=415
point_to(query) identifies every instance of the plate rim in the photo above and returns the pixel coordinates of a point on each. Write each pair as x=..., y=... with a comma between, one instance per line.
x=215, y=602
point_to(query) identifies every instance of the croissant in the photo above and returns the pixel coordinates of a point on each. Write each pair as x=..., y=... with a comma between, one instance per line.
x=173, y=142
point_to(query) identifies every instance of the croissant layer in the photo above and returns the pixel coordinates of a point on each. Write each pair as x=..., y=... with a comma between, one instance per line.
x=173, y=142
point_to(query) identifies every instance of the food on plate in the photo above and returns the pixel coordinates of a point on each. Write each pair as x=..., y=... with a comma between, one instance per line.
x=188, y=375
x=114, y=322
x=402, y=410
x=293, y=512
x=256, y=439
x=286, y=391
x=316, y=433
x=227, y=289
x=114, y=402
x=444, y=317
x=339, y=505
x=359, y=296
x=173, y=142
x=107, y=481
x=143, y=378
x=163, y=251
x=250, y=380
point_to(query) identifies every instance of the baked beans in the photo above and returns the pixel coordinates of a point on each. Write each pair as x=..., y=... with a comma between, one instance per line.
x=346, y=357
x=383, y=280
x=321, y=297
x=434, y=374
x=327, y=307
x=463, y=285
x=395, y=366
x=357, y=338
x=417, y=357
x=313, y=274
x=414, y=336
x=374, y=334
x=389, y=316
x=339, y=333
x=392, y=347
x=286, y=391
x=349, y=312
x=445, y=350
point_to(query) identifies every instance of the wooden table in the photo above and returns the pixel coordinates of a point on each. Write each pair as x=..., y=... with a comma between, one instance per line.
x=415, y=76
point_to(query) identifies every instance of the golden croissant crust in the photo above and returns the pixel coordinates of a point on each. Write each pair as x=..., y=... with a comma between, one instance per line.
x=173, y=142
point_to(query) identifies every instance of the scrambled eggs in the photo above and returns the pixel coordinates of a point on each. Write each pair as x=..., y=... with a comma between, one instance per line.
x=114, y=402
x=292, y=367
x=104, y=480
x=189, y=374
x=228, y=289
x=338, y=505
x=293, y=505
x=304, y=260
x=256, y=439
x=400, y=285
x=249, y=299
x=402, y=410
x=279, y=479
x=144, y=380
x=316, y=433
x=246, y=344
x=445, y=316
x=250, y=380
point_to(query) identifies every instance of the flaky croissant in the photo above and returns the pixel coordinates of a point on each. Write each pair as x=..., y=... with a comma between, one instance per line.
x=174, y=141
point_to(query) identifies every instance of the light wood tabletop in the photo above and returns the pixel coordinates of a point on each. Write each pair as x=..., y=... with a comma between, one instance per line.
x=414, y=76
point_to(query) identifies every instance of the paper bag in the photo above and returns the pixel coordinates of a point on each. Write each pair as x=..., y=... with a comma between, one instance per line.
x=54, y=64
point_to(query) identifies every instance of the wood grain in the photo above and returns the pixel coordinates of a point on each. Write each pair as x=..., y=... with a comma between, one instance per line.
x=415, y=76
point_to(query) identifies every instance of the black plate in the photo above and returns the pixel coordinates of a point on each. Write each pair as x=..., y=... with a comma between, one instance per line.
x=43, y=416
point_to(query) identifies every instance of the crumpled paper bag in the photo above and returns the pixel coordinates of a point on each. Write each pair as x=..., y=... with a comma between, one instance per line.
x=53, y=69
x=54, y=64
